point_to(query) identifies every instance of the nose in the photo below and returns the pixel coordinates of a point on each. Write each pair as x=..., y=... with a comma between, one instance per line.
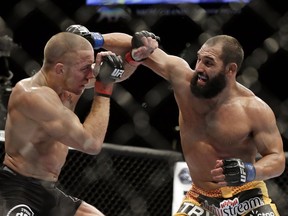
x=199, y=66
x=90, y=75
x=92, y=71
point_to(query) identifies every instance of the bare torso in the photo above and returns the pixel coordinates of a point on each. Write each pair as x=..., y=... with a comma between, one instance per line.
x=210, y=132
x=30, y=151
x=233, y=124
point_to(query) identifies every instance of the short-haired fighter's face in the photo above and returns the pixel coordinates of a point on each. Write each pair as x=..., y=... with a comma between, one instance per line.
x=77, y=74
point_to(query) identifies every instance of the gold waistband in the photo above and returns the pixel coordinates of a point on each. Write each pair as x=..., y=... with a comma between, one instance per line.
x=224, y=192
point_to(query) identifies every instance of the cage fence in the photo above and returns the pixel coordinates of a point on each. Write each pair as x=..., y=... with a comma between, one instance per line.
x=130, y=181
x=125, y=179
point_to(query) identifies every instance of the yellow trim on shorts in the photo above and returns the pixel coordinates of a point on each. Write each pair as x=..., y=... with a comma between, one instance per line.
x=227, y=192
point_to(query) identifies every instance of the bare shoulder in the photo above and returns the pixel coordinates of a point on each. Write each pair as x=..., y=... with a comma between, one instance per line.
x=33, y=100
x=26, y=91
x=253, y=105
x=256, y=108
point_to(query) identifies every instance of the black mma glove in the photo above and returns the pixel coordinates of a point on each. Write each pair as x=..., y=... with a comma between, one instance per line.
x=136, y=39
x=110, y=71
x=96, y=39
x=238, y=172
x=136, y=42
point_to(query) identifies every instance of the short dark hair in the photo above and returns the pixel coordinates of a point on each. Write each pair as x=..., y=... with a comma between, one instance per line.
x=232, y=50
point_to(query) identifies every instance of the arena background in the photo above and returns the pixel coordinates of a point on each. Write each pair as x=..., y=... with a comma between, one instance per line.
x=133, y=175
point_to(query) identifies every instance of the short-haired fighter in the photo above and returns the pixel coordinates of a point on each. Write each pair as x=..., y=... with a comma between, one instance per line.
x=41, y=124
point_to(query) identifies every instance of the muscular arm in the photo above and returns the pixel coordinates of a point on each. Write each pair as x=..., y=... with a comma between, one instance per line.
x=269, y=144
x=167, y=66
x=265, y=140
x=43, y=106
x=170, y=67
x=120, y=44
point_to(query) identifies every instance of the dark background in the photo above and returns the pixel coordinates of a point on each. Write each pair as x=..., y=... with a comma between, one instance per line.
x=143, y=109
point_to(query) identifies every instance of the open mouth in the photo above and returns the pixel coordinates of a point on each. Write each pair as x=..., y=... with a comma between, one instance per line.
x=202, y=78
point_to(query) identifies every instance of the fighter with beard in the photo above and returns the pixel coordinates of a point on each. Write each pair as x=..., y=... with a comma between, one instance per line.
x=224, y=127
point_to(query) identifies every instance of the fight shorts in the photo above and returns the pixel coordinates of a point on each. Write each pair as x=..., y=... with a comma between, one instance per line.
x=249, y=199
x=20, y=195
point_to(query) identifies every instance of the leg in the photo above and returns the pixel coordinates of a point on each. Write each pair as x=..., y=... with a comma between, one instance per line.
x=86, y=209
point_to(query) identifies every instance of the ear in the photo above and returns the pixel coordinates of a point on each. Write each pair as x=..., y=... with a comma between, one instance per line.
x=232, y=68
x=59, y=67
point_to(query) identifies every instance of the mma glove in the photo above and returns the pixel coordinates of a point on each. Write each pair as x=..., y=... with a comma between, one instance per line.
x=96, y=39
x=238, y=172
x=136, y=43
x=111, y=70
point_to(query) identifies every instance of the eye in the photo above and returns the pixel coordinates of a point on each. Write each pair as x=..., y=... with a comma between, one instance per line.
x=209, y=62
x=87, y=68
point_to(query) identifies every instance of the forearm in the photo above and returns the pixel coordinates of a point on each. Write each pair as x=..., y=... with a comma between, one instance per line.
x=96, y=123
x=270, y=166
x=162, y=64
x=119, y=43
x=129, y=70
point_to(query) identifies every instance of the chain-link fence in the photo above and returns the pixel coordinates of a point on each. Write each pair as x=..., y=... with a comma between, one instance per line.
x=125, y=180
x=134, y=181
x=141, y=119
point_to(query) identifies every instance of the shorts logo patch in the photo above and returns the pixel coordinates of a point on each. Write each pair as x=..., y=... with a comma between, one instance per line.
x=20, y=210
x=265, y=210
x=192, y=210
x=233, y=207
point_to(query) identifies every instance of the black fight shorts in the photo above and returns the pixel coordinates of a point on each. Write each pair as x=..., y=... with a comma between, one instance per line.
x=20, y=195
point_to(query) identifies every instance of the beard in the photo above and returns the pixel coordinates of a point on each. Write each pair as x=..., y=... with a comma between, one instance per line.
x=212, y=87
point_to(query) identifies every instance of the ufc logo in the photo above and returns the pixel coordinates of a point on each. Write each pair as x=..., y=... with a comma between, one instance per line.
x=242, y=172
x=117, y=73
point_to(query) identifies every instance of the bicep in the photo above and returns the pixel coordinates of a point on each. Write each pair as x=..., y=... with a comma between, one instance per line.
x=266, y=133
x=46, y=109
x=269, y=145
x=118, y=43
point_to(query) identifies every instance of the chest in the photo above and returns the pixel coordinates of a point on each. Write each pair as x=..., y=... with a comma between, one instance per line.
x=228, y=125
x=227, y=128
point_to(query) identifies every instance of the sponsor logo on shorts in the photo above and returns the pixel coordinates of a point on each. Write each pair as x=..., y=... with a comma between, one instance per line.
x=234, y=207
x=230, y=209
x=193, y=210
x=256, y=213
x=262, y=211
x=20, y=210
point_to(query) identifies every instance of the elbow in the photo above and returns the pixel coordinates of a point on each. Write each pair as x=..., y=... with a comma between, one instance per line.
x=93, y=151
x=283, y=163
x=92, y=147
